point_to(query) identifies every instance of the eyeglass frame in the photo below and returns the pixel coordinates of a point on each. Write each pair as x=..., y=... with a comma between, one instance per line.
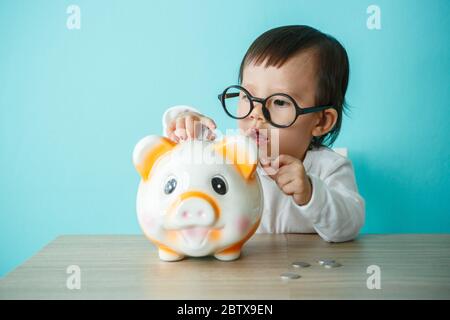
x=298, y=111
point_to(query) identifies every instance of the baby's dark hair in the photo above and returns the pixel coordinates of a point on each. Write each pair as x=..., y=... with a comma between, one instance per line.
x=279, y=44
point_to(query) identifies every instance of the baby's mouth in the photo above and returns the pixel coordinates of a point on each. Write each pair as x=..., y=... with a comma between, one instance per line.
x=259, y=136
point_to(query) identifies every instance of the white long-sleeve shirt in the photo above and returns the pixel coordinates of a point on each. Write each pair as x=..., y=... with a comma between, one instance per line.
x=336, y=210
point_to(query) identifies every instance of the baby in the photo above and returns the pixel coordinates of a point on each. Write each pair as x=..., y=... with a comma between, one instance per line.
x=293, y=81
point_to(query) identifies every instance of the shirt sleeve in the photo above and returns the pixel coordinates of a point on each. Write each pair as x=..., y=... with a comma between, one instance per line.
x=336, y=210
x=172, y=112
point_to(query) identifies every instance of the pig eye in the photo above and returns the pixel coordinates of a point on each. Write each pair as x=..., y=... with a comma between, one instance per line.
x=171, y=184
x=219, y=185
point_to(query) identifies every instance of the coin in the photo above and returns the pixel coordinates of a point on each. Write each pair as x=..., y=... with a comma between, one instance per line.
x=325, y=261
x=332, y=265
x=300, y=264
x=289, y=275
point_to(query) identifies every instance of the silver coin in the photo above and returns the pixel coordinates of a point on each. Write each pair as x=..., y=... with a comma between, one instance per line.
x=325, y=261
x=289, y=275
x=300, y=264
x=332, y=265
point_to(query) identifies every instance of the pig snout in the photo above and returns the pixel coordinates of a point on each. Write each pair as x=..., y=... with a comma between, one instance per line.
x=194, y=212
x=195, y=209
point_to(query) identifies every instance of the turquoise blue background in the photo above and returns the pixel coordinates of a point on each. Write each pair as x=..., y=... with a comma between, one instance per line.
x=73, y=103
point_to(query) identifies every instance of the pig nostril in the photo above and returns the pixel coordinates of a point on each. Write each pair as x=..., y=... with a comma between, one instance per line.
x=201, y=214
x=184, y=214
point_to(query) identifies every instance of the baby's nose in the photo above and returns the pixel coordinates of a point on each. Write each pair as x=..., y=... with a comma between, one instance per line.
x=257, y=113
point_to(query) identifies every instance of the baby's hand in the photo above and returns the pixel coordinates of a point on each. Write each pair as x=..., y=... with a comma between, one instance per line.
x=291, y=177
x=191, y=125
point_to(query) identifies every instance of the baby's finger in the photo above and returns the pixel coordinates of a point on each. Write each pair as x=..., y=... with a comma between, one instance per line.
x=180, y=130
x=269, y=170
x=264, y=161
x=172, y=136
x=282, y=170
x=203, y=132
x=283, y=179
x=209, y=123
x=283, y=160
x=171, y=127
x=181, y=134
x=189, y=124
x=290, y=188
x=210, y=135
x=200, y=131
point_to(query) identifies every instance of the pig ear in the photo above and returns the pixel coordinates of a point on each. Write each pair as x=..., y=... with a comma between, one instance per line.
x=147, y=151
x=241, y=151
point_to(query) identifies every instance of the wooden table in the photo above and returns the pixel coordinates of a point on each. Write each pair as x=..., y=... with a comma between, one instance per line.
x=127, y=267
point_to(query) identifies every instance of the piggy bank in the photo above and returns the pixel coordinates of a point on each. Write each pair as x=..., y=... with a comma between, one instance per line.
x=198, y=198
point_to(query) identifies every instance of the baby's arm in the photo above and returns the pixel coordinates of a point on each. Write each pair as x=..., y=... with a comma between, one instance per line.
x=336, y=210
x=184, y=122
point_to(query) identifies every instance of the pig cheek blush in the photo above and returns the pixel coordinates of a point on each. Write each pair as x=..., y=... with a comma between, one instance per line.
x=242, y=224
x=215, y=213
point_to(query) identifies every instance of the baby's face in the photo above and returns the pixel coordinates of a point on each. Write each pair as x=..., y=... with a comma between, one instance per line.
x=297, y=78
